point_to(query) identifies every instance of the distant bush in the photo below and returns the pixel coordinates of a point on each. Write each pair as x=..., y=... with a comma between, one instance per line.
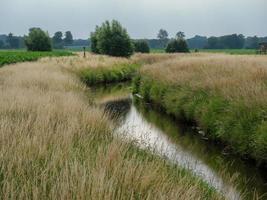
x=38, y=40
x=177, y=46
x=141, y=46
x=111, y=39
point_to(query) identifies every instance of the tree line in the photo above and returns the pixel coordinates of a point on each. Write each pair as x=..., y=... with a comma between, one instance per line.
x=58, y=41
x=232, y=41
x=112, y=39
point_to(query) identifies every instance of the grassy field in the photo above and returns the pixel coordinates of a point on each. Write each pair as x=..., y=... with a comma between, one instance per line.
x=55, y=144
x=9, y=57
x=227, y=51
x=225, y=94
x=230, y=51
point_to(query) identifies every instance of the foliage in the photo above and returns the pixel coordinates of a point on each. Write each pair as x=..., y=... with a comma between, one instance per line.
x=1, y=44
x=9, y=57
x=197, y=42
x=68, y=40
x=58, y=40
x=94, y=39
x=38, y=40
x=180, y=35
x=162, y=35
x=111, y=39
x=12, y=41
x=141, y=46
x=177, y=46
x=233, y=41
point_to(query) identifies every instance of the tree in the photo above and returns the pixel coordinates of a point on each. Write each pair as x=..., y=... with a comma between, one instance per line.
x=111, y=39
x=163, y=37
x=163, y=34
x=38, y=40
x=1, y=44
x=93, y=39
x=12, y=41
x=58, y=40
x=177, y=46
x=68, y=40
x=141, y=46
x=197, y=42
x=213, y=43
x=180, y=35
x=252, y=42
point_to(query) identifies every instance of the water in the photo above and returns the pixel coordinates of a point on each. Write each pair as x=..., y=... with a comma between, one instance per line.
x=181, y=144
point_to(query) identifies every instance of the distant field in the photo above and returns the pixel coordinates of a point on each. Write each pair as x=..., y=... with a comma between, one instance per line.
x=12, y=56
x=157, y=50
x=77, y=48
x=229, y=51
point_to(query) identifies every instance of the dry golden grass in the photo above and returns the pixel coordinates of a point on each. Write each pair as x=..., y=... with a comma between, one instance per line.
x=77, y=63
x=233, y=76
x=54, y=145
x=151, y=58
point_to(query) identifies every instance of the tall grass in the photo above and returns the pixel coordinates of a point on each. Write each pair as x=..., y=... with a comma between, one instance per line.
x=56, y=145
x=226, y=95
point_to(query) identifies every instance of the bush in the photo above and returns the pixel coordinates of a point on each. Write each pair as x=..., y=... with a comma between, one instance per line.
x=177, y=46
x=111, y=39
x=141, y=46
x=38, y=40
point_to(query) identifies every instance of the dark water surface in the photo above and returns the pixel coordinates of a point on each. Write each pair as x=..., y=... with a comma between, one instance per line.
x=180, y=143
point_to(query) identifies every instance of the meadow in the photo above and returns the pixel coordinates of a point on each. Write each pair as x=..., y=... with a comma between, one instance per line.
x=226, y=51
x=57, y=144
x=9, y=57
x=230, y=51
x=224, y=94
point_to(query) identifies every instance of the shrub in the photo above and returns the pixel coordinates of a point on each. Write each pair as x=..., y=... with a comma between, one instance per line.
x=141, y=46
x=111, y=39
x=38, y=40
x=177, y=46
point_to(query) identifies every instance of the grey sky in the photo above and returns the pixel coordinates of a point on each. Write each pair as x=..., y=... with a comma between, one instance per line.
x=142, y=18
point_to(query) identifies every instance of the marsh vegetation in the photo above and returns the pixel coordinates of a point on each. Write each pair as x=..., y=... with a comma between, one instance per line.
x=55, y=143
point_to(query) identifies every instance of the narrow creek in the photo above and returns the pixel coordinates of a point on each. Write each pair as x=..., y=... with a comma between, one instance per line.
x=180, y=143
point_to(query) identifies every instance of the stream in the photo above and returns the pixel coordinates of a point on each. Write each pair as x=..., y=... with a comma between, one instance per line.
x=180, y=143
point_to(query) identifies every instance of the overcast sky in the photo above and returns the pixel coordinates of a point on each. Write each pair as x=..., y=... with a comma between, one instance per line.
x=142, y=18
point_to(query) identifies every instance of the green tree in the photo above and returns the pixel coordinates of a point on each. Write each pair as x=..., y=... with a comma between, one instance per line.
x=38, y=40
x=177, y=46
x=68, y=40
x=58, y=40
x=213, y=43
x=93, y=40
x=252, y=42
x=163, y=34
x=180, y=35
x=12, y=41
x=141, y=46
x=111, y=39
x=1, y=44
x=163, y=37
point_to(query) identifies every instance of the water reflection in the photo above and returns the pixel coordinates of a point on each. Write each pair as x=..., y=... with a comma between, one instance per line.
x=179, y=143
